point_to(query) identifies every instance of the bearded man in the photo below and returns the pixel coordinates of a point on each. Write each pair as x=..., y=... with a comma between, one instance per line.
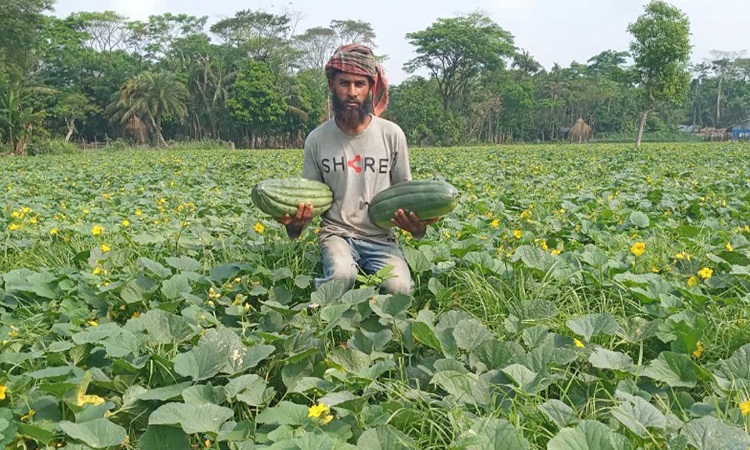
x=357, y=154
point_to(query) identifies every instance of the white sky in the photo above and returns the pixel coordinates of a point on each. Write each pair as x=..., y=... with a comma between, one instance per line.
x=551, y=30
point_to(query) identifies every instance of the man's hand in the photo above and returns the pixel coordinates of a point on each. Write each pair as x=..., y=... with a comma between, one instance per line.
x=296, y=223
x=412, y=223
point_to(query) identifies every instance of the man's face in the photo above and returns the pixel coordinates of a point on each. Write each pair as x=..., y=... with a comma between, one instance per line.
x=351, y=97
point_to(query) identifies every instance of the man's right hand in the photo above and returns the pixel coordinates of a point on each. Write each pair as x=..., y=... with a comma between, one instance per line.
x=296, y=223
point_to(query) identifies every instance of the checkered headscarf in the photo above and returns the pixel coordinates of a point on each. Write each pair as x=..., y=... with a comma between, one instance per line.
x=359, y=60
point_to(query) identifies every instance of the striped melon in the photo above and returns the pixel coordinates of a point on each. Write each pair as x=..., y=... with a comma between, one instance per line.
x=277, y=197
x=427, y=198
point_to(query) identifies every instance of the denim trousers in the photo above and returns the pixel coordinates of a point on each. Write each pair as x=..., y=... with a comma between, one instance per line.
x=343, y=257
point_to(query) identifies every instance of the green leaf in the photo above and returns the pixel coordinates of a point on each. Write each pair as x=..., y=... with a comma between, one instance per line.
x=391, y=306
x=534, y=257
x=417, y=260
x=174, y=287
x=284, y=413
x=737, y=365
x=494, y=354
x=249, y=389
x=350, y=360
x=710, y=433
x=639, y=219
x=424, y=334
x=8, y=426
x=135, y=290
x=588, y=435
x=154, y=267
x=525, y=379
x=164, y=393
x=200, y=363
x=184, y=263
x=493, y=434
x=163, y=437
x=385, y=437
x=97, y=433
x=593, y=324
x=206, y=418
x=558, y=412
x=165, y=328
x=674, y=369
x=204, y=393
x=602, y=358
x=470, y=333
x=465, y=387
x=638, y=415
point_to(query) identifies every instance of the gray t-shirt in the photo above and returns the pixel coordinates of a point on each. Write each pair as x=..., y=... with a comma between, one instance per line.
x=356, y=167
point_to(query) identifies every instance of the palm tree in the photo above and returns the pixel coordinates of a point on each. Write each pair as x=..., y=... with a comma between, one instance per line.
x=525, y=63
x=152, y=96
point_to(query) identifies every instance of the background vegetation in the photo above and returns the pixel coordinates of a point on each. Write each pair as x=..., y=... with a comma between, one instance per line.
x=254, y=80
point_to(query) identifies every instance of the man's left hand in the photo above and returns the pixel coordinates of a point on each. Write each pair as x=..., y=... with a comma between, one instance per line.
x=412, y=223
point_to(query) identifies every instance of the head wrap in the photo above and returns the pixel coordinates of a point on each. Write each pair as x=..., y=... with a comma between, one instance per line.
x=359, y=60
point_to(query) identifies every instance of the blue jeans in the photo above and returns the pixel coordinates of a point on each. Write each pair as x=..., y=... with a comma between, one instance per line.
x=343, y=257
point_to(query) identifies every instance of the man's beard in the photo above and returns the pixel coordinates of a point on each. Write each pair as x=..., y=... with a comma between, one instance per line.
x=351, y=116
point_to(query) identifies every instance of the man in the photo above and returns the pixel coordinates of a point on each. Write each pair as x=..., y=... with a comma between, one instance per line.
x=357, y=154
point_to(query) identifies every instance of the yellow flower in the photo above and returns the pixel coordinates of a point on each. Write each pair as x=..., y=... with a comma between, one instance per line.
x=525, y=214
x=555, y=251
x=259, y=228
x=54, y=231
x=655, y=269
x=705, y=273
x=327, y=419
x=698, y=349
x=495, y=223
x=692, y=281
x=92, y=323
x=729, y=247
x=14, y=226
x=126, y=223
x=518, y=234
x=97, y=230
x=578, y=343
x=745, y=407
x=3, y=391
x=28, y=416
x=105, y=248
x=138, y=212
x=97, y=270
x=638, y=248
x=83, y=399
x=317, y=410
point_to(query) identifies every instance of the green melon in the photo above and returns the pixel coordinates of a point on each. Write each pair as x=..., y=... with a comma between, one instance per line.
x=428, y=199
x=280, y=196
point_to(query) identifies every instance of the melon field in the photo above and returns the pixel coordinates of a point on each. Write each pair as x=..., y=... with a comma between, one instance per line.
x=578, y=297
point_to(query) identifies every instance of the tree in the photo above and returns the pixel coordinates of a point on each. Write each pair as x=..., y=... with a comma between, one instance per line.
x=154, y=96
x=258, y=101
x=17, y=119
x=72, y=107
x=20, y=22
x=457, y=50
x=661, y=51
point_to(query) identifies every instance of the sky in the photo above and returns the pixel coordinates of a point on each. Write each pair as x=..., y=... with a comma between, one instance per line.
x=552, y=31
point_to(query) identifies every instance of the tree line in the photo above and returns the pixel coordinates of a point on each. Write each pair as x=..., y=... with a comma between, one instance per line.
x=256, y=81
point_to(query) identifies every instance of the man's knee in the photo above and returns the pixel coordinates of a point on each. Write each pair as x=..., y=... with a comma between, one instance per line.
x=344, y=272
x=400, y=281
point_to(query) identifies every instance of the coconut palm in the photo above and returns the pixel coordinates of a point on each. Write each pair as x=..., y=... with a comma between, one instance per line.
x=152, y=96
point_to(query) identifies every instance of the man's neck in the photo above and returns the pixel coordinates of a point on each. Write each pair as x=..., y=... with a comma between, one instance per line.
x=354, y=128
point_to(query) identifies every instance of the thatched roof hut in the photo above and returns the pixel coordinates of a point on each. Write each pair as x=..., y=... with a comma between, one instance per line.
x=580, y=132
x=137, y=130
